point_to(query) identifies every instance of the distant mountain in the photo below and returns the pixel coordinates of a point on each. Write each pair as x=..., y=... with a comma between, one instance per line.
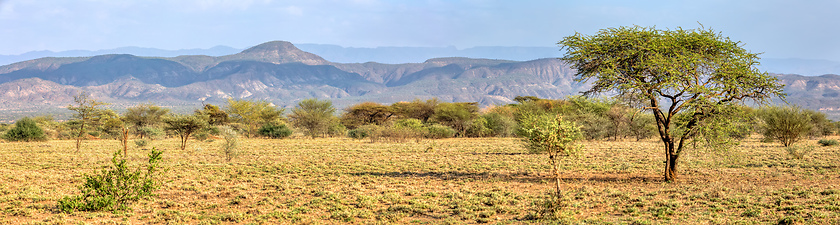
x=138, y=51
x=278, y=72
x=807, y=67
x=281, y=73
x=401, y=55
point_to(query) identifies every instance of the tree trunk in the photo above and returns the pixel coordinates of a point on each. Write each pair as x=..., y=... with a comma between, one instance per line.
x=554, y=160
x=671, y=167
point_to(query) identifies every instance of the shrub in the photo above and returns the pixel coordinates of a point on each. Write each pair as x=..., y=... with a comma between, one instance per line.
x=274, y=131
x=115, y=187
x=500, y=125
x=828, y=142
x=359, y=133
x=799, y=152
x=230, y=144
x=785, y=124
x=140, y=142
x=25, y=130
x=438, y=131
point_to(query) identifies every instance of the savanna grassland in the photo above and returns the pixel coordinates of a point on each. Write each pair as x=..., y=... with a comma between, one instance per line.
x=446, y=181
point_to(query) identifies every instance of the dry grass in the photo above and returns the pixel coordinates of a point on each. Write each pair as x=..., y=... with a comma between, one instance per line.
x=432, y=181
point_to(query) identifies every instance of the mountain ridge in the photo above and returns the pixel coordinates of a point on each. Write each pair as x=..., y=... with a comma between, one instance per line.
x=284, y=74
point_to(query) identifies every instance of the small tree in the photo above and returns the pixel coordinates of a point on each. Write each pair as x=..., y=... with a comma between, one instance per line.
x=185, y=126
x=456, y=115
x=253, y=114
x=86, y=116
x=314, y=116
x=785, y=124
x=25, y=129
x=553, y=135
x=144, y=115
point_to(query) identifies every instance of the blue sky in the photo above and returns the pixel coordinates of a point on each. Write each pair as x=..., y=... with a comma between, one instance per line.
x=780, y=29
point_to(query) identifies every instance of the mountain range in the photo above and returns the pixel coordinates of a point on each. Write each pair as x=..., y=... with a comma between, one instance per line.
x=283, y=74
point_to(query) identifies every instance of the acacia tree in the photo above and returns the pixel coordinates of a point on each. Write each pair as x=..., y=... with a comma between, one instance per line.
x=696, y=72
x=87, y=115
x=185, y=126
x=313, y=115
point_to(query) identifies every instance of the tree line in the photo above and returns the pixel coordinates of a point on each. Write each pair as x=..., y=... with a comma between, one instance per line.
x=598, y=119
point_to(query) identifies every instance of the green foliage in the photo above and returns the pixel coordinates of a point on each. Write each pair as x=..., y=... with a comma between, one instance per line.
x=25, y=129
x=550, y=134
x=478, y=127
x=314, y=116
x=500, y=125
x=785, y=124
x=185, y=126
x=821, y=126
x=456, y=115
x=360, y=132
x=553, y=135
x=215, y=115
x=115, y=187
x=642, y=126
x=828, y=142
x=437, y=131
x=275, y=131
x=412, y=124
x=230, y=144
x=253, y=114
x=143, y=116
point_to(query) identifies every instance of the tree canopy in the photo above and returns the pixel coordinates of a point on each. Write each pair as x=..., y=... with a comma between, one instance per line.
x=698, y=72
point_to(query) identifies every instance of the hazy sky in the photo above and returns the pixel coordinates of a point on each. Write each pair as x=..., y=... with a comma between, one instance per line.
x=780, y=29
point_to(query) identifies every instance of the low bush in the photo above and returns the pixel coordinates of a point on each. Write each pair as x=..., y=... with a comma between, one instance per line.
x=437, y=131
x=828, y=142
x=798, y=152
x=275, y=131
x=25, y=130
x=115, y=187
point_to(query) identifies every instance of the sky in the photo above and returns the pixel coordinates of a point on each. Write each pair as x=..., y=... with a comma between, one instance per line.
x=806, y=29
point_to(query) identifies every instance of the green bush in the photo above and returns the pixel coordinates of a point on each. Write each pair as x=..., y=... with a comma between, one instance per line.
x=828, y=142
x=275, y=131
x=359, y=133
x=25, y=130
x=438, y=131
x=115, y=187
x=500, y=125
x=785, y=124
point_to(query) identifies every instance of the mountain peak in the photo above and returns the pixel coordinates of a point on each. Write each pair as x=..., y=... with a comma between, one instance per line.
x=279, y=52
